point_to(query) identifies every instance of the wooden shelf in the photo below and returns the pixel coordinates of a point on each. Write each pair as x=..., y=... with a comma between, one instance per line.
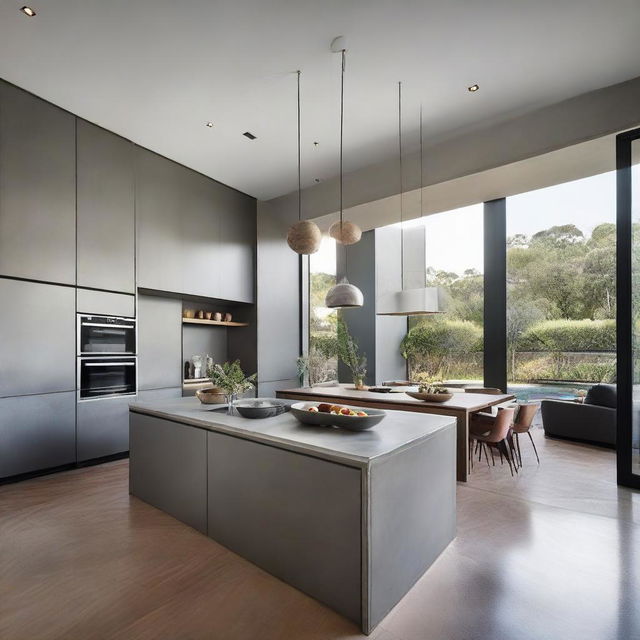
x=214, y=323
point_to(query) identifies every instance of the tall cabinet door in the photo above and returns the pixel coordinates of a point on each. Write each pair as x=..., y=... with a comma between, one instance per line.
x=37, y=338
x=237, y=248
x=106, y=225
x=37, y=188
x=160, y=202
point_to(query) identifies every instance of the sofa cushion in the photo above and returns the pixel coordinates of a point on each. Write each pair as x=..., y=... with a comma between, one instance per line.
x=603, y=395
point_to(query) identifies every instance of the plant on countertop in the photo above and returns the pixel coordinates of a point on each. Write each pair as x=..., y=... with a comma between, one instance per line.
x=349, y=354
x=230, y=377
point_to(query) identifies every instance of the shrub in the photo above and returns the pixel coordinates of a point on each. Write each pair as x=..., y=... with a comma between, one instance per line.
x=569, y=335
x=548, y=368
x=325, y=344
x=436, y=346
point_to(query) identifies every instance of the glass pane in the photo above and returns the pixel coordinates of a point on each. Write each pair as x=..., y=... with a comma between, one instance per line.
x=448, y=347
x=323, y=361
x=561, y=298
x=635, y=303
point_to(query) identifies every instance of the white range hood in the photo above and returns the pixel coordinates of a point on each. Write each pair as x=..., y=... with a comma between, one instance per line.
x=409, y=302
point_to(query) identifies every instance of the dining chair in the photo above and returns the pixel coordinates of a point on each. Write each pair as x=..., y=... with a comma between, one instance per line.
x=493, y=432
x=522, y=424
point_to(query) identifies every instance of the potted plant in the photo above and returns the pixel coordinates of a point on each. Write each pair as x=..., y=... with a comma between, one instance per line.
x=231, y=379
x=350, y=356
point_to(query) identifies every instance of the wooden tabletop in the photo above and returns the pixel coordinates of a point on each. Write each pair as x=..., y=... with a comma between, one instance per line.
x=461, y=401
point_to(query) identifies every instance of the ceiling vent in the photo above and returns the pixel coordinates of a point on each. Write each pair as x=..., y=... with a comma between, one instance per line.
x=248, y=134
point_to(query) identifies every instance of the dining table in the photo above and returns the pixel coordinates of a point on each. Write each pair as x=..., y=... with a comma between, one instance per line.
x=461, y=405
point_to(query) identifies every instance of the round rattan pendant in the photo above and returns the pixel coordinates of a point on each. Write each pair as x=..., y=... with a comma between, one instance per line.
x=304, y=237
x=345, y=232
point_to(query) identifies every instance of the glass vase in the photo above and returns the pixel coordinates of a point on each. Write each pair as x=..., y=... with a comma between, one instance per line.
x=231, y=399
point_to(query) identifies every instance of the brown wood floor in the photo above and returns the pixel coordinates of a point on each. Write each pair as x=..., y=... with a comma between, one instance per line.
x=554, y=553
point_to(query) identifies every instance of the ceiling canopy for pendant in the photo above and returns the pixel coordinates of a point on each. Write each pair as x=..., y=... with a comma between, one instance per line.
x=344, y=294
x=304, y=237
x=408, y=302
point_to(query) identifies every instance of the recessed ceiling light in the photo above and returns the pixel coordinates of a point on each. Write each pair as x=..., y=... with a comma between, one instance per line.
x=473, y=88
x=248, y=134
x=28, y=11
x=209, y=124
x=316, y=179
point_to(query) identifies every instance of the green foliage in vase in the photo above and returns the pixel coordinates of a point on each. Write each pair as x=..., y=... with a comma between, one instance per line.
x=230, y=377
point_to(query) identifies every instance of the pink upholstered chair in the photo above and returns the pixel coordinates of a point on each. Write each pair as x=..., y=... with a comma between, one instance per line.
x=493, y=432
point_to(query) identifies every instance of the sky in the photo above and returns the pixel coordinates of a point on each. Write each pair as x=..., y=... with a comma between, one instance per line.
x=454, y=239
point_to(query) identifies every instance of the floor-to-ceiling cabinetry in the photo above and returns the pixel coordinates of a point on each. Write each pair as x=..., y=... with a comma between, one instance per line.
x=88, y=219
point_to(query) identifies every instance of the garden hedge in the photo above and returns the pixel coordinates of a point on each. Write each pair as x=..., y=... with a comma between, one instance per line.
x=569, y=335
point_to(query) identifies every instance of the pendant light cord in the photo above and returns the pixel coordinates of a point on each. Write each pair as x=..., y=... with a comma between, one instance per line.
x=299, y=157
x=401, y=185
x=421, y=167
x=341, y=150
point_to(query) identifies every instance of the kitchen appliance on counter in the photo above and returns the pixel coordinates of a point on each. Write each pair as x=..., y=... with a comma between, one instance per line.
x=106, y=335
x=107, y=363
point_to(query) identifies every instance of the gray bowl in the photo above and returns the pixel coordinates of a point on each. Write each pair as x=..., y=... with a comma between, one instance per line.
x=257, y=408
x=353, y=423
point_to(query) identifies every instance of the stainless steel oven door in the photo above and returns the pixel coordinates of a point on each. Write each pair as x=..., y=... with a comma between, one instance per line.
x=105, y=377
x=106, y=335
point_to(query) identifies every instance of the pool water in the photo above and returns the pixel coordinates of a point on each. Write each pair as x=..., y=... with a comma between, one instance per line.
x=537, y=392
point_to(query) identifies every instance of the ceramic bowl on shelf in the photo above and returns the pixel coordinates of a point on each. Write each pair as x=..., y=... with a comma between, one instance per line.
x=213, y=395
x=189, y=313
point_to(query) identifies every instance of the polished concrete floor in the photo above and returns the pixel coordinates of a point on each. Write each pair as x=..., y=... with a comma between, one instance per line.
x=553, y=553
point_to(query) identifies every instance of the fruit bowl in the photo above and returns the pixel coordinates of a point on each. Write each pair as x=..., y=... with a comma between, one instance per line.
x=430, y=397
x=320, y=418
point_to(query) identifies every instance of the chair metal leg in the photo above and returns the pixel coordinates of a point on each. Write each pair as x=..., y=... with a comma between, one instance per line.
x=518, y=446
x=505, y=449
x=486, y=455
x=493, y=460
x=501, y=456
x=534, y=446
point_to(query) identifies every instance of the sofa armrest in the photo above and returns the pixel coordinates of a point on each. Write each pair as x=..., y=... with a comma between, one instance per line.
x=588, y=422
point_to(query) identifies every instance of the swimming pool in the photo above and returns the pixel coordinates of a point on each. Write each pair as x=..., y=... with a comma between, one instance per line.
x=555, y=391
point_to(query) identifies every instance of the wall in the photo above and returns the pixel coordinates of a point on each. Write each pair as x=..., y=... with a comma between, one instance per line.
x=278, y=303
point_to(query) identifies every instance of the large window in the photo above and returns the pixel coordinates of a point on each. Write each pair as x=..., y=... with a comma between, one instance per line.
x=323, y=364
x=561, y=298
x=448, y=346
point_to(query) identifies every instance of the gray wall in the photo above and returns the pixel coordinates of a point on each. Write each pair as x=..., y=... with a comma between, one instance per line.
x=278, y=295
x=373, y=265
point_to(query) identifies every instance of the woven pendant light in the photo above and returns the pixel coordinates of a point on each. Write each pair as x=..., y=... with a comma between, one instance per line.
x=304, y=237
x=344, y=294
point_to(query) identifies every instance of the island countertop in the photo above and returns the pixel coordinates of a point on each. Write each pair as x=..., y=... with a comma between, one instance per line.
x=398, y=430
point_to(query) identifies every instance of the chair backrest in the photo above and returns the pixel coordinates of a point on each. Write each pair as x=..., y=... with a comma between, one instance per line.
x=526, y=414
x=501, y=425
x=489, y=390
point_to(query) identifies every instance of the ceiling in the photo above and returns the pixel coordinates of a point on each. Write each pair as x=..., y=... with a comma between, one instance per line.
x=155, y=71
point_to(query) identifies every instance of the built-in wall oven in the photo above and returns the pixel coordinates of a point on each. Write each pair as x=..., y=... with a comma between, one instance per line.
x=106, y=335
x=106, y=376
x=107, y=362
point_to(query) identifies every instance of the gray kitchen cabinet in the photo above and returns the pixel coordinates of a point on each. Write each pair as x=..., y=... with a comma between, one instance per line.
x=106, y=222
x=37, y=188
x=37, y=432
x=203, y=270
x=237, y=250
x=161, y=186
x=102, y=427
x=37, y=349
x=159, y=342
x=106, y=303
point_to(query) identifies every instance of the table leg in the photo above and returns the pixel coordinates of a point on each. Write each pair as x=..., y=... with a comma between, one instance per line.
x=462, y=447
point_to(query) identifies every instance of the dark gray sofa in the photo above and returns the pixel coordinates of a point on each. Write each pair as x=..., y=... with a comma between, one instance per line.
x=593, y=422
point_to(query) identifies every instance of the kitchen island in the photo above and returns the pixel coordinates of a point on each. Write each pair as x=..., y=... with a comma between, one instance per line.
x=460, y=406
x=350, y=518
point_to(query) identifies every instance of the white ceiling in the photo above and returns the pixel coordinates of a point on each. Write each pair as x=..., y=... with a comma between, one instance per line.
x=156, y=70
